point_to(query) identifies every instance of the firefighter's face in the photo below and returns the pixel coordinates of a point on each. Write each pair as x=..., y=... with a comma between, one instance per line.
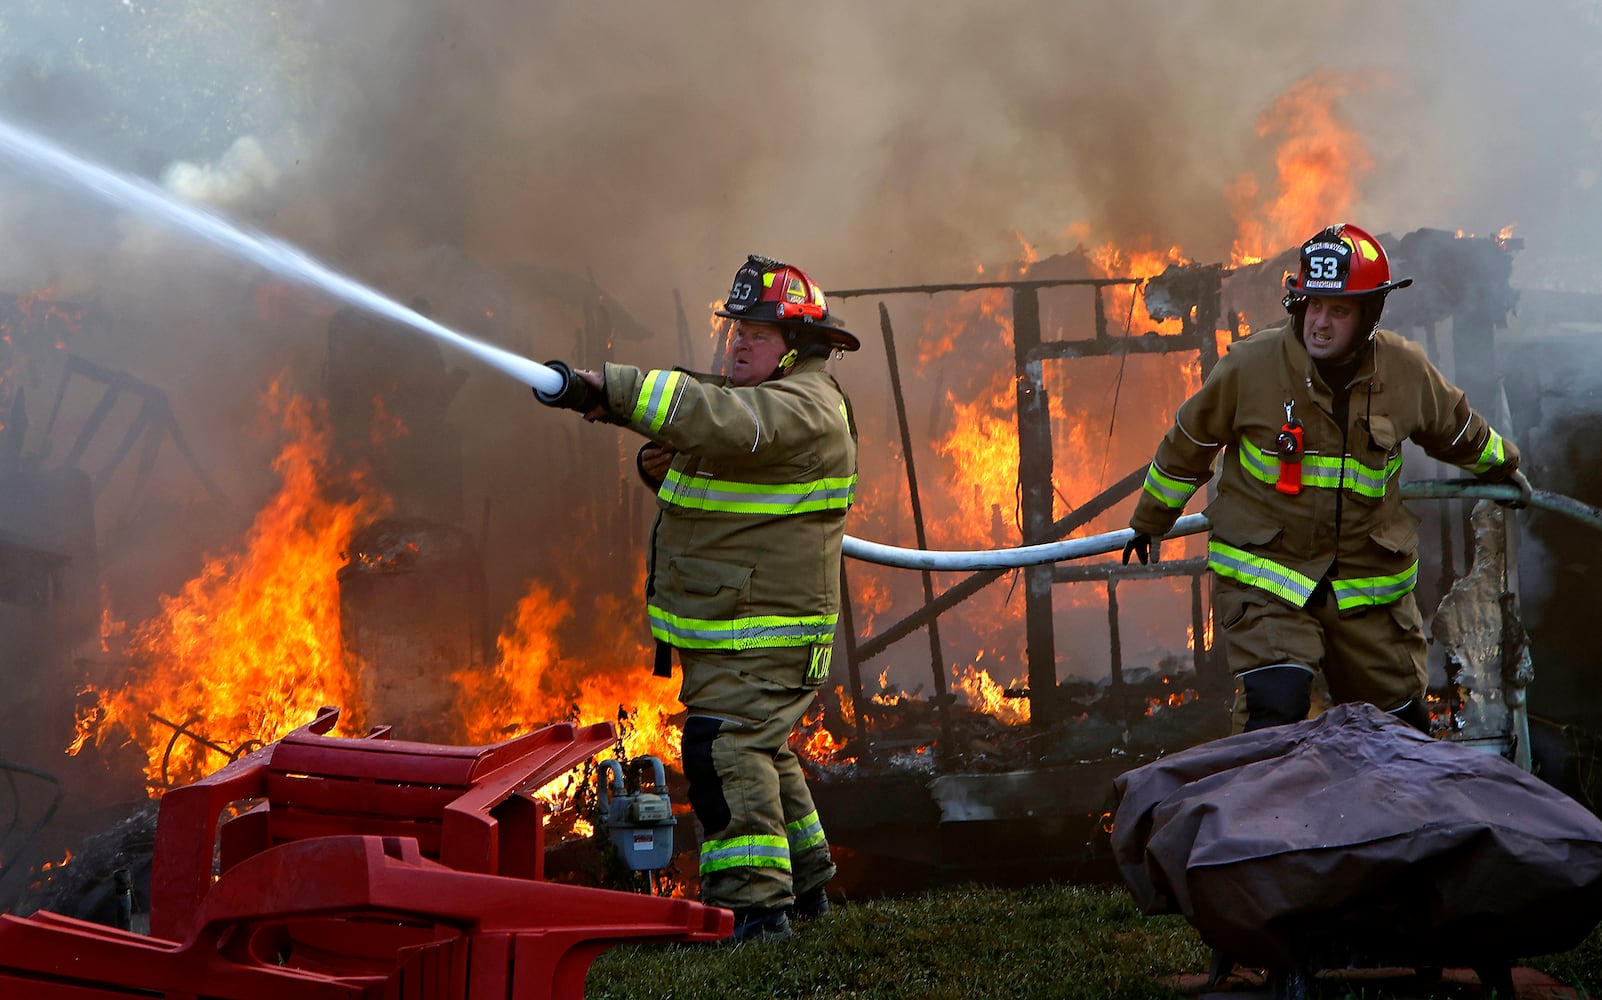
x=754, y=351
x=1329, y=329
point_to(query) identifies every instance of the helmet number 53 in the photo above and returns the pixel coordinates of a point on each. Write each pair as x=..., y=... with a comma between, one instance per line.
x=1323, y=268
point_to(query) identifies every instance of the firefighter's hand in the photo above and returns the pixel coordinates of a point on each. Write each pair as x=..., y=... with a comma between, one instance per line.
x=580, y=390
x=1140, y=545
x=1526, y=491
x=652, y=461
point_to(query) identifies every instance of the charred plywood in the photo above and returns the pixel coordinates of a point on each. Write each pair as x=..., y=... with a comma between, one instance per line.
x=413, y=614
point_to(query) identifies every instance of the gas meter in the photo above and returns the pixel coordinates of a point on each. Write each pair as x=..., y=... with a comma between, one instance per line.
x=639, y=822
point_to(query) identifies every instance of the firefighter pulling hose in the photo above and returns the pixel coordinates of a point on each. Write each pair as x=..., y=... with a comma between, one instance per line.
x=1313, y=556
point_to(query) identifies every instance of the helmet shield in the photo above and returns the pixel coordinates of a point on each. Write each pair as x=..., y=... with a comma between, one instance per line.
x=769, y=291
x=1341, y=261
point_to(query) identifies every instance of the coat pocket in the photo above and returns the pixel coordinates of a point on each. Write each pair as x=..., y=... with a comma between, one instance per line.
x=1398, y=535
x=709, y=589
x=1242, y=528
x=1382, y=436
x=1375, y=449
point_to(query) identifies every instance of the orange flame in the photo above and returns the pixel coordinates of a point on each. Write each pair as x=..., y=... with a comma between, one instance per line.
x=987, y=696
x=1319, y=161
x=251, y=647
x=534, y=683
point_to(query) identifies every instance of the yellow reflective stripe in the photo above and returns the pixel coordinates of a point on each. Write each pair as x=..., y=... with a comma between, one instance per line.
x=1492, y=455
x=706, y=493
x=1354, y=475
x=1170, y=492
x=1259, y=572
x=759, y=631
x=1323, y=471
x=655, y=401
x=1373, y=590
x=1258, y=463
x=756, y=851
x=805, y=832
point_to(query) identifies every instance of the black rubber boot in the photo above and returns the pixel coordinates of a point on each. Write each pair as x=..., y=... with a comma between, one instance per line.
x=810, y=905
x=759, y=925
x=1414, y=714
x=1277, y=695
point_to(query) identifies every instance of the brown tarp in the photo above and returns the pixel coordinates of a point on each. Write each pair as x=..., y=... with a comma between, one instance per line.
x=1353, y=835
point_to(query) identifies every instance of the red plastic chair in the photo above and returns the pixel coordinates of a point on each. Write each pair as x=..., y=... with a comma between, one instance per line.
x=460, y=803
x=436, y=934
x=372, y=868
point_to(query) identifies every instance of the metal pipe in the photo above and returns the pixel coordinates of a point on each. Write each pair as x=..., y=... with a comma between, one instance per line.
x=1190, y=524
x=122, y=879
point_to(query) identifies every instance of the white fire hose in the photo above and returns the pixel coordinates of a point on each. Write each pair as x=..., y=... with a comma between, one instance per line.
x=964, y=560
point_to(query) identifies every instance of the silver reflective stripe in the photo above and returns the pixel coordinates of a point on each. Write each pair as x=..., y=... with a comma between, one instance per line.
x=1260, y=572
x=1492, y=455
x=1373, y=590
x=1170, y=492
x=757, y=851
x=1323, y=471
x=805, y=832
x=657, y=393
x=706, y=493
x=741, y=633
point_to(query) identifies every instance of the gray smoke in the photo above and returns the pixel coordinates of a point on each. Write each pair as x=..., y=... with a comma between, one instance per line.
x=508, y=163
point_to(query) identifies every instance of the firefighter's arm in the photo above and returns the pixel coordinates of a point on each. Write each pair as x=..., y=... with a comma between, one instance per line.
x=1185, y=457
x=700, y=415
x=1455, y=433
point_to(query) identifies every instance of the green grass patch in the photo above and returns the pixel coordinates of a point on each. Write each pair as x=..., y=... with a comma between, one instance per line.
x=1062, y=942
x=1058, y=942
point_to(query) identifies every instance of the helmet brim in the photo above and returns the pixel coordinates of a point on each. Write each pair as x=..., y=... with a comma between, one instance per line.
x=1324, y=293
x=839, y=336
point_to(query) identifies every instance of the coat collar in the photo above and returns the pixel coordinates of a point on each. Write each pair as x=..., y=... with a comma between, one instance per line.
x=1300, y=362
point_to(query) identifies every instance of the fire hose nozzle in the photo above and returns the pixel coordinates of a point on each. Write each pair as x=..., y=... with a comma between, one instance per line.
x=573, y=394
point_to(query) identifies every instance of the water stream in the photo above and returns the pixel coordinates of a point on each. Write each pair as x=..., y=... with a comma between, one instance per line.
x=38, y=155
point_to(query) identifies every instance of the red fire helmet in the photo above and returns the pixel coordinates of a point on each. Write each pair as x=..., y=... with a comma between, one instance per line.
x=1342, y=261
x=770, y=291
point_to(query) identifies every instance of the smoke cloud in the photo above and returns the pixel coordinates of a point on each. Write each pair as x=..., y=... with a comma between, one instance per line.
x=510, y=164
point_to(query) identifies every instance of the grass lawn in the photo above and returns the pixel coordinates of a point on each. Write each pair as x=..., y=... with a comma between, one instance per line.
x=1062, y=942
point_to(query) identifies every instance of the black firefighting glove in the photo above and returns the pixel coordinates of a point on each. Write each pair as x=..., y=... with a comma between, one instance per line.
x=1526, y=491
x=574, y=393
x=1140, y=545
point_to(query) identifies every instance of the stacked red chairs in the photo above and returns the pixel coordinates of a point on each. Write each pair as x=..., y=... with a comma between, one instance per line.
x=365, y=868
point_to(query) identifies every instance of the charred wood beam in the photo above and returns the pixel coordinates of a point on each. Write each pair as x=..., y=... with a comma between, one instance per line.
x=937, y=660
x=853, y=657
x=1147, y=343
x=1086, y=573
x=1035, y=488
x=978, y=286
x=1115, y=648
